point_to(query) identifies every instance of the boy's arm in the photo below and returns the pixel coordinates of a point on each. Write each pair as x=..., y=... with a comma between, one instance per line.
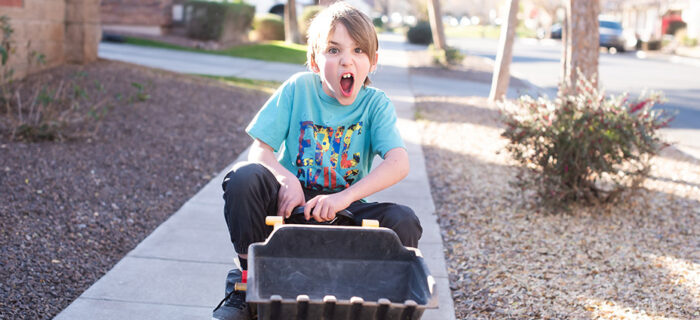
x=394, y=168
x=291, y=194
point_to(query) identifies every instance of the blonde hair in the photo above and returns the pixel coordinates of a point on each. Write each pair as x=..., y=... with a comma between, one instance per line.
x=357, y=23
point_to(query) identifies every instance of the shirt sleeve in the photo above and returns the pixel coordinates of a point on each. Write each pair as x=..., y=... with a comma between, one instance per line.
x=271, y=124
x=385, y=133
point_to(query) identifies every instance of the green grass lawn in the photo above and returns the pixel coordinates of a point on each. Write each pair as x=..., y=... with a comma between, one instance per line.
x=263, y=85
x=492, y=32
x=278, y=51
x=472, y=32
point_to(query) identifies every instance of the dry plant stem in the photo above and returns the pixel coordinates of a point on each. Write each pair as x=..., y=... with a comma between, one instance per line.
x=58, y=91
x=56, y=96
x=36, y=96
x=32, y=108
x=6, y=97
x=97, y=126
x=19, y=106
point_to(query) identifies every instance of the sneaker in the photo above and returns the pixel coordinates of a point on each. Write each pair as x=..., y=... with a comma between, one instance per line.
x=233, y=306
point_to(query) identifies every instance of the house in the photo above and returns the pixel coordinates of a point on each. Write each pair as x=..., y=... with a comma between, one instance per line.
x=147, y=17
x=159, y=17
x=277, y=6
x=649, y=19
x=63, y=31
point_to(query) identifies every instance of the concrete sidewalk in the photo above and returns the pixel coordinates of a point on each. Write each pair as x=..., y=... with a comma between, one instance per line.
x=178, y=271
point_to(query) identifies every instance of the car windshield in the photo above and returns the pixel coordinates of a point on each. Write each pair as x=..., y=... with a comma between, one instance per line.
x=610, y=25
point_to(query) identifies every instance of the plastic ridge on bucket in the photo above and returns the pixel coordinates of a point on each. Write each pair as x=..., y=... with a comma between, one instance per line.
x=333, y=272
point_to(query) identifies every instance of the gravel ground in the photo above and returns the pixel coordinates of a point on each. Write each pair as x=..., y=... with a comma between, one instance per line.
x=472, y=68
x=70, y=210
x=637, y=259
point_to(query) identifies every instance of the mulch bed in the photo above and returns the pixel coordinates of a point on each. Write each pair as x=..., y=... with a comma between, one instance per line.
x=472, y=68
x=507, y=258
x=69, y=210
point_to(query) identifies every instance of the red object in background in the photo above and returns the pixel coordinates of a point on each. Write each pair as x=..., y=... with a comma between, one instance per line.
x=667, y=19
x=11, y=3
x=244, y=277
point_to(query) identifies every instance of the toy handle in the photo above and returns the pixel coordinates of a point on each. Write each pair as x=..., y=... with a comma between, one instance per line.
x=342, y=217
x=344, y=212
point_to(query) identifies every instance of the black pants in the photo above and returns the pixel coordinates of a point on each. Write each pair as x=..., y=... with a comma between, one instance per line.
x=250, y=194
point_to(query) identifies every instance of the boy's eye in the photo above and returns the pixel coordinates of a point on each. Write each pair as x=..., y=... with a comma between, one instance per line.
x=333, y=50
x=358, y=50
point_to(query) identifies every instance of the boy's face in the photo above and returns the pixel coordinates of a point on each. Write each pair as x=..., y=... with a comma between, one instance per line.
x=343, y=66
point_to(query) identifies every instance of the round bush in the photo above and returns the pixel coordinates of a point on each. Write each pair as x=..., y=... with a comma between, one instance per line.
x=420, y=33
x=583, y=146
x=268, y=27
x=307, y=15
x=674, y=26
x=378, y=22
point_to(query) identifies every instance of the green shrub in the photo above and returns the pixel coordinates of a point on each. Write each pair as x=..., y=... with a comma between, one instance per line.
x=583, y=146
x=448, y=57
x=45, y=110
x=675, y=26
x=420, y=33
x=651, y=45
x=378, y=22
x=226, y=22
x=268, y=27
x=307, y=15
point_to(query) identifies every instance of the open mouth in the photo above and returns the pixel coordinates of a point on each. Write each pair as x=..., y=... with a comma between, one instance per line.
x=347, y=80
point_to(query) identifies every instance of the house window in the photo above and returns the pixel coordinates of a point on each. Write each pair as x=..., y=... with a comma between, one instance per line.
x=11, y=3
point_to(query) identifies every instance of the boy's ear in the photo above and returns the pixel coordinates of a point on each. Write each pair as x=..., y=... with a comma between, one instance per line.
x=376, y=60
x=313, y=66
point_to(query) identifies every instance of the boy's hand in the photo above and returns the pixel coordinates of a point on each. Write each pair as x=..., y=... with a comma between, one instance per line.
x=290, y=196
x=325, y=206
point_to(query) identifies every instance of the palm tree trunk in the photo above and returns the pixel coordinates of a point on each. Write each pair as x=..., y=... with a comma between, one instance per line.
x=580, y=40
x=436, y=24
x=501, y=72
x=291, y=30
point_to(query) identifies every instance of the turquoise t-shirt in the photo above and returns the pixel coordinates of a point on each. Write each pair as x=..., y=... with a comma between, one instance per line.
x=327, y=145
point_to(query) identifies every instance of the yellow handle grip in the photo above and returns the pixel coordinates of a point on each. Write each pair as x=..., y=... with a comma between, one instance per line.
x=274, y=220
x=370, y=223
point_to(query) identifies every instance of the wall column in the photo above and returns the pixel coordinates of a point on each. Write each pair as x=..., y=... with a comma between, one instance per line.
x=82, y=30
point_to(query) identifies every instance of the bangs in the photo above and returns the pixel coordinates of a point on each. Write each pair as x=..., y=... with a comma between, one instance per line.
x=363, y=34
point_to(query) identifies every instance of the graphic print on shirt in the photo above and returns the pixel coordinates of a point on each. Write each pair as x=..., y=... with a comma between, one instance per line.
x=320, y=148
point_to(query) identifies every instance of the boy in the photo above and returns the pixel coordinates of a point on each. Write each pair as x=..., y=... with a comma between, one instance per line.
x=328, y=125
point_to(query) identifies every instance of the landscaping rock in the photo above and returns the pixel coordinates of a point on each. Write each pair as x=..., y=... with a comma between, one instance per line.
x=70, y=210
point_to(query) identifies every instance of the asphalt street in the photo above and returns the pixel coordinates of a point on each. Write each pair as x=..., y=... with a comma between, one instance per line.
x=628, y=72
x=539, y=63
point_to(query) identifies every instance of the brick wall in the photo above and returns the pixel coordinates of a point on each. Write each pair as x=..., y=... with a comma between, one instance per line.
x=82, y=30
x=155, y=13
x=38, y=26
x=61, y=30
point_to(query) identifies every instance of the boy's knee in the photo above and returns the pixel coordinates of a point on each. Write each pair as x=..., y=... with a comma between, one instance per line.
x=244, y=176
x=405, y=223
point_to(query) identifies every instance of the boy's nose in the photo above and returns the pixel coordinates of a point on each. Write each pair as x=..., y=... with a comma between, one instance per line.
x=346, y=59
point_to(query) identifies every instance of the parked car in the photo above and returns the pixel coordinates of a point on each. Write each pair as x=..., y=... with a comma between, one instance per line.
x=610, y=34
x=555, y=31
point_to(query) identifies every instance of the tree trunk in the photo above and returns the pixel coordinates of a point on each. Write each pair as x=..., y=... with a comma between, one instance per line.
x=501, y=72
x=291, y=30
x=435, y=15
x=580, y=40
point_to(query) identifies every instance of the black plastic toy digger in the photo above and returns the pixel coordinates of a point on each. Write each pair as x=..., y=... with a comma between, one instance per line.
x=335, y=271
